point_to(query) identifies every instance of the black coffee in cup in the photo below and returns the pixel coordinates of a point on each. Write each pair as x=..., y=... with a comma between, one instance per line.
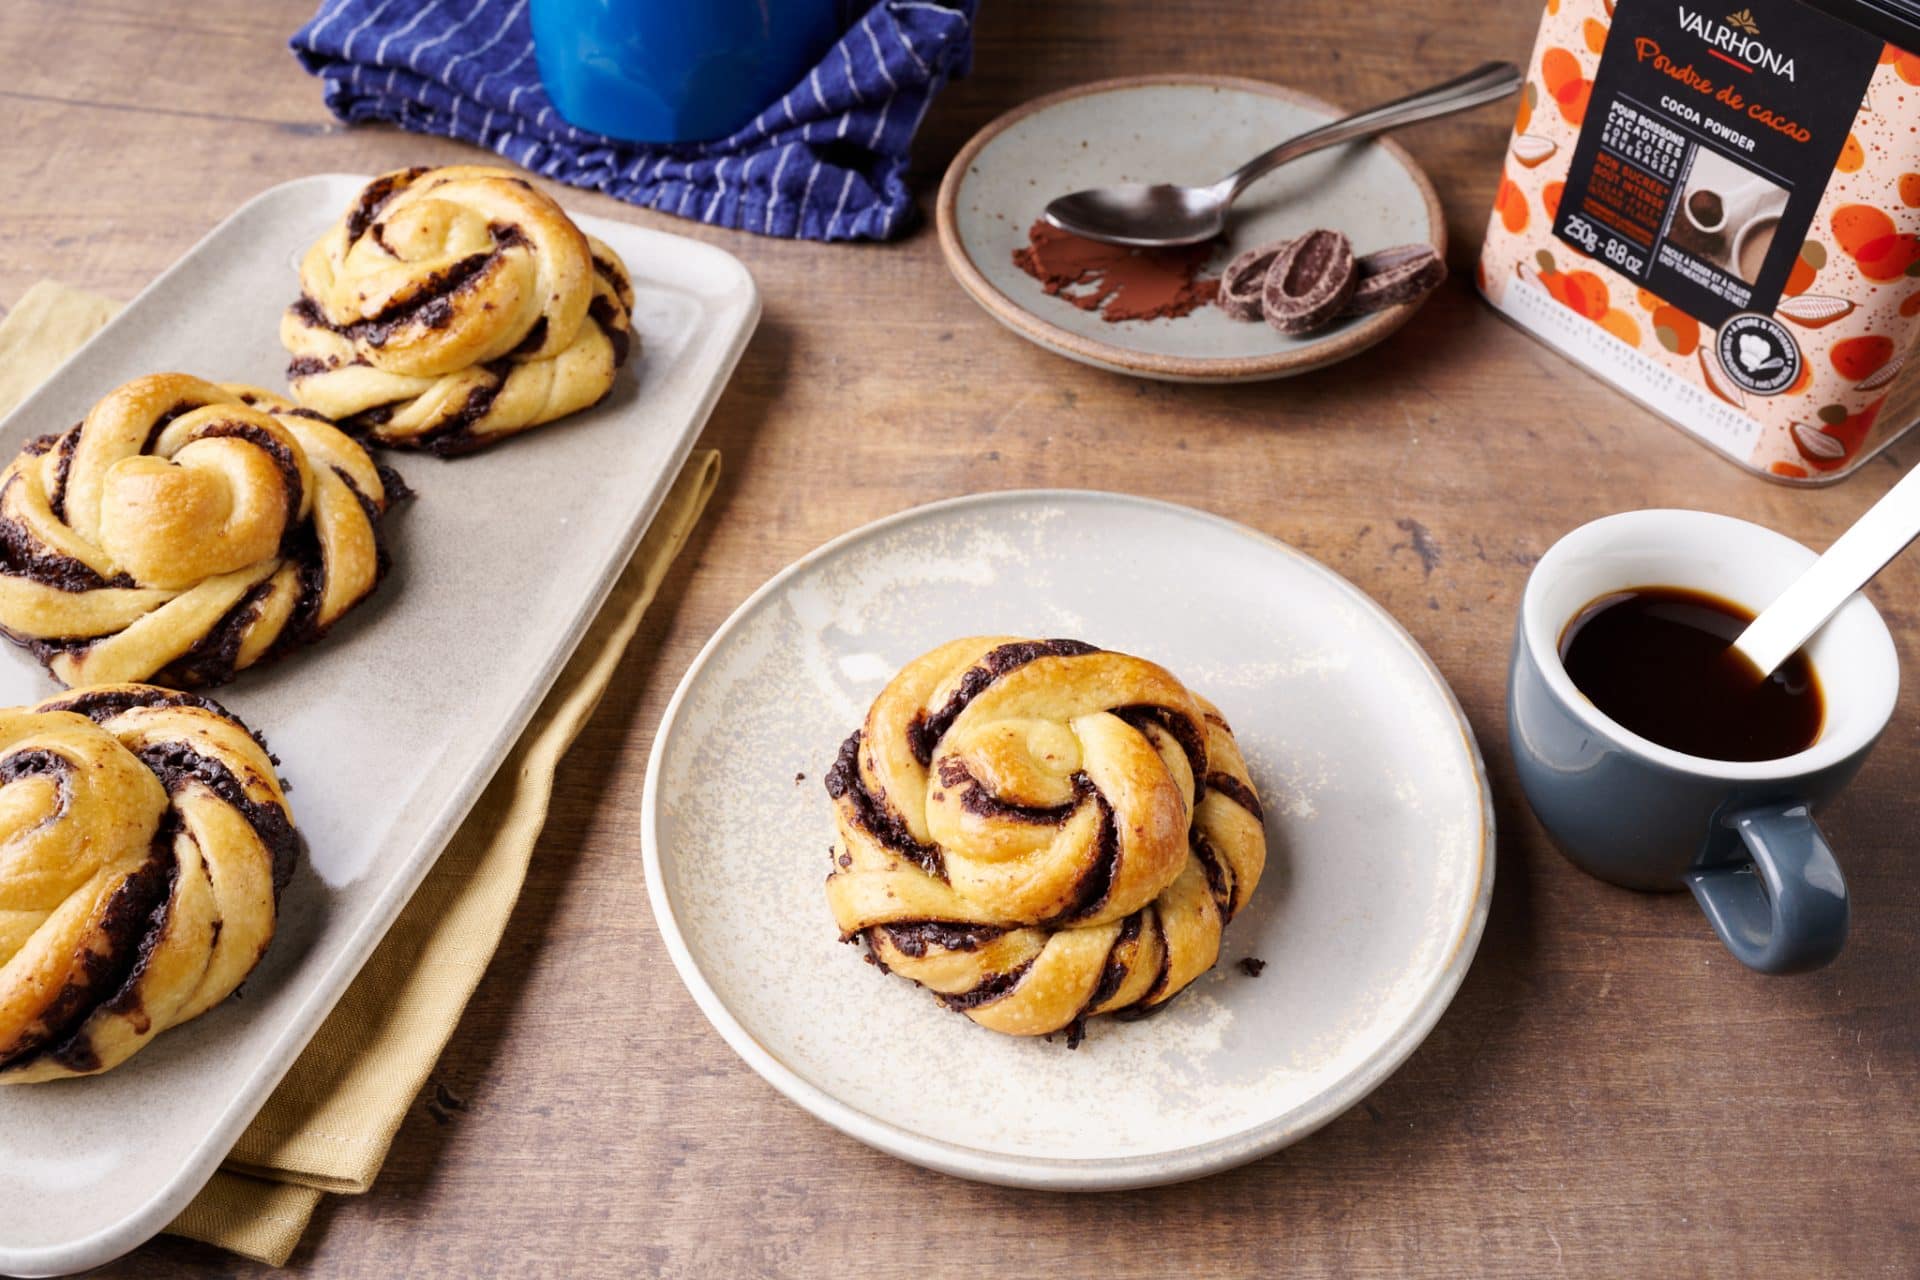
x=1659, y=661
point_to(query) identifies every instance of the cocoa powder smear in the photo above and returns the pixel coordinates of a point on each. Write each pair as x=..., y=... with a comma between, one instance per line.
x=1117, y=282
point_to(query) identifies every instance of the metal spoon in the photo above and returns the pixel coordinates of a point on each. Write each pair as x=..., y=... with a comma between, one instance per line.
x=1848, y=565
x=1134, y=213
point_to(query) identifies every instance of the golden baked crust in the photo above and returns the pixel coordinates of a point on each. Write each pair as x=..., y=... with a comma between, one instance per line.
x=1039, y=831
x=450, y=308
x=144, y=840
x=185, y=531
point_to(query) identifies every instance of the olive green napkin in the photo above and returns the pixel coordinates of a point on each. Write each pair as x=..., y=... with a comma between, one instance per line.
x=328, y=1126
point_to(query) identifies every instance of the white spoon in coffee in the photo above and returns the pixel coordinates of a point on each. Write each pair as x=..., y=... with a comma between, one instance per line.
x=1848, y=565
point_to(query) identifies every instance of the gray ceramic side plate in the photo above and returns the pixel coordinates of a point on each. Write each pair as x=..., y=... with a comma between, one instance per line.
x=1186, y=129
x=1379, y=828
x=390, y=728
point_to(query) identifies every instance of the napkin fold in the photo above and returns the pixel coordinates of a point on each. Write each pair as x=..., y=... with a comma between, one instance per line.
x=328, y=1127
x=826, y=162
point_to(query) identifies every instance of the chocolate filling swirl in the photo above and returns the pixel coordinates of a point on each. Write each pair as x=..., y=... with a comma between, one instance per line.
x=875, y=817
x=977, y=800
x=375, y=196
x=991, y=988
x=109, y=975
x=916, y=937
x=925, y=734
x=177, y=763
x=1237, y=791
x=24, y=556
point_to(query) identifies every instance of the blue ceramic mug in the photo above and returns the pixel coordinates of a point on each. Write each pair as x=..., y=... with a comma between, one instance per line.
x=676, y=70
x=1740, y=835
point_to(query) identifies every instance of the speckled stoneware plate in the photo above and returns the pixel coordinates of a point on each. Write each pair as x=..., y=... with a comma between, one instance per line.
x=1380, y=842
x=390, y=728
x=1186, y=129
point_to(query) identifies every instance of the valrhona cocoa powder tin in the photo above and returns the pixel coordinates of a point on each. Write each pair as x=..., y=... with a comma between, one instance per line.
x=1715, y=206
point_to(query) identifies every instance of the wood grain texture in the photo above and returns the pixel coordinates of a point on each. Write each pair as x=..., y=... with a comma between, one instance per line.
x=1609, y=1095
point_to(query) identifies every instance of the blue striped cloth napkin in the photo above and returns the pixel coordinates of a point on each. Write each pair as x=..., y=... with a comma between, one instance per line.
x=825, y=162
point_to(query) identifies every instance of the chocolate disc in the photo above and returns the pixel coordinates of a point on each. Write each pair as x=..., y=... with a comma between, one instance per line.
x=1242, y=283
x=1392, y=276
x=1309, y=282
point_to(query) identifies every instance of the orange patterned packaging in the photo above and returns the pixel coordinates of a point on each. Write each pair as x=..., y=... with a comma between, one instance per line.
x=1718, y=211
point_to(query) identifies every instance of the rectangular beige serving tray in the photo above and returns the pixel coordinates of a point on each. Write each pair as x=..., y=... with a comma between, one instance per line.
x=391, y=727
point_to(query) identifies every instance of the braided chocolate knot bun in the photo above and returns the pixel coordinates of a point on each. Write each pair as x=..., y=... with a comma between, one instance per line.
x=450, y=308
x=185, y=531
x=1040, y=831
x=144, y=841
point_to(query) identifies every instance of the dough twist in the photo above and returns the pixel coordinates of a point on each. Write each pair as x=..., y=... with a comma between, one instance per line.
x=1040, y=831
x=144, y=841
x=185, y=531
x=450, y=308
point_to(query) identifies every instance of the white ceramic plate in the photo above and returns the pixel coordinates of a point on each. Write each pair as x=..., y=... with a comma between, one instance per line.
x=1187, y=129
x=389, y=729
x=1380, y=841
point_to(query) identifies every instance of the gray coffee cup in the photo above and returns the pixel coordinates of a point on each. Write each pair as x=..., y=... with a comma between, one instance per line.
x=1741, y=835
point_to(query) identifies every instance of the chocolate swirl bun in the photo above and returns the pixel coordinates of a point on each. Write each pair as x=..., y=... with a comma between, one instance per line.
x=450, y=308
x=1040, y=831
x=144, y=841
x=185, y=531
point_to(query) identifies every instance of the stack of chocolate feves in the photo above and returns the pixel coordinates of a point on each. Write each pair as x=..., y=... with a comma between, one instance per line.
x=1306, y=283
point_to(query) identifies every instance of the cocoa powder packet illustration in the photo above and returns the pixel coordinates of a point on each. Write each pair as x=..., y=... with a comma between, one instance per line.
x=1716, y=208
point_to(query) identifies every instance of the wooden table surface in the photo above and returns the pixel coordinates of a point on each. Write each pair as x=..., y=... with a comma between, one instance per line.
x=1610, y=1093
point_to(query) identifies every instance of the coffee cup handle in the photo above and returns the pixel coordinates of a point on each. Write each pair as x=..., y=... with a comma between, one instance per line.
x=1786, y=911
